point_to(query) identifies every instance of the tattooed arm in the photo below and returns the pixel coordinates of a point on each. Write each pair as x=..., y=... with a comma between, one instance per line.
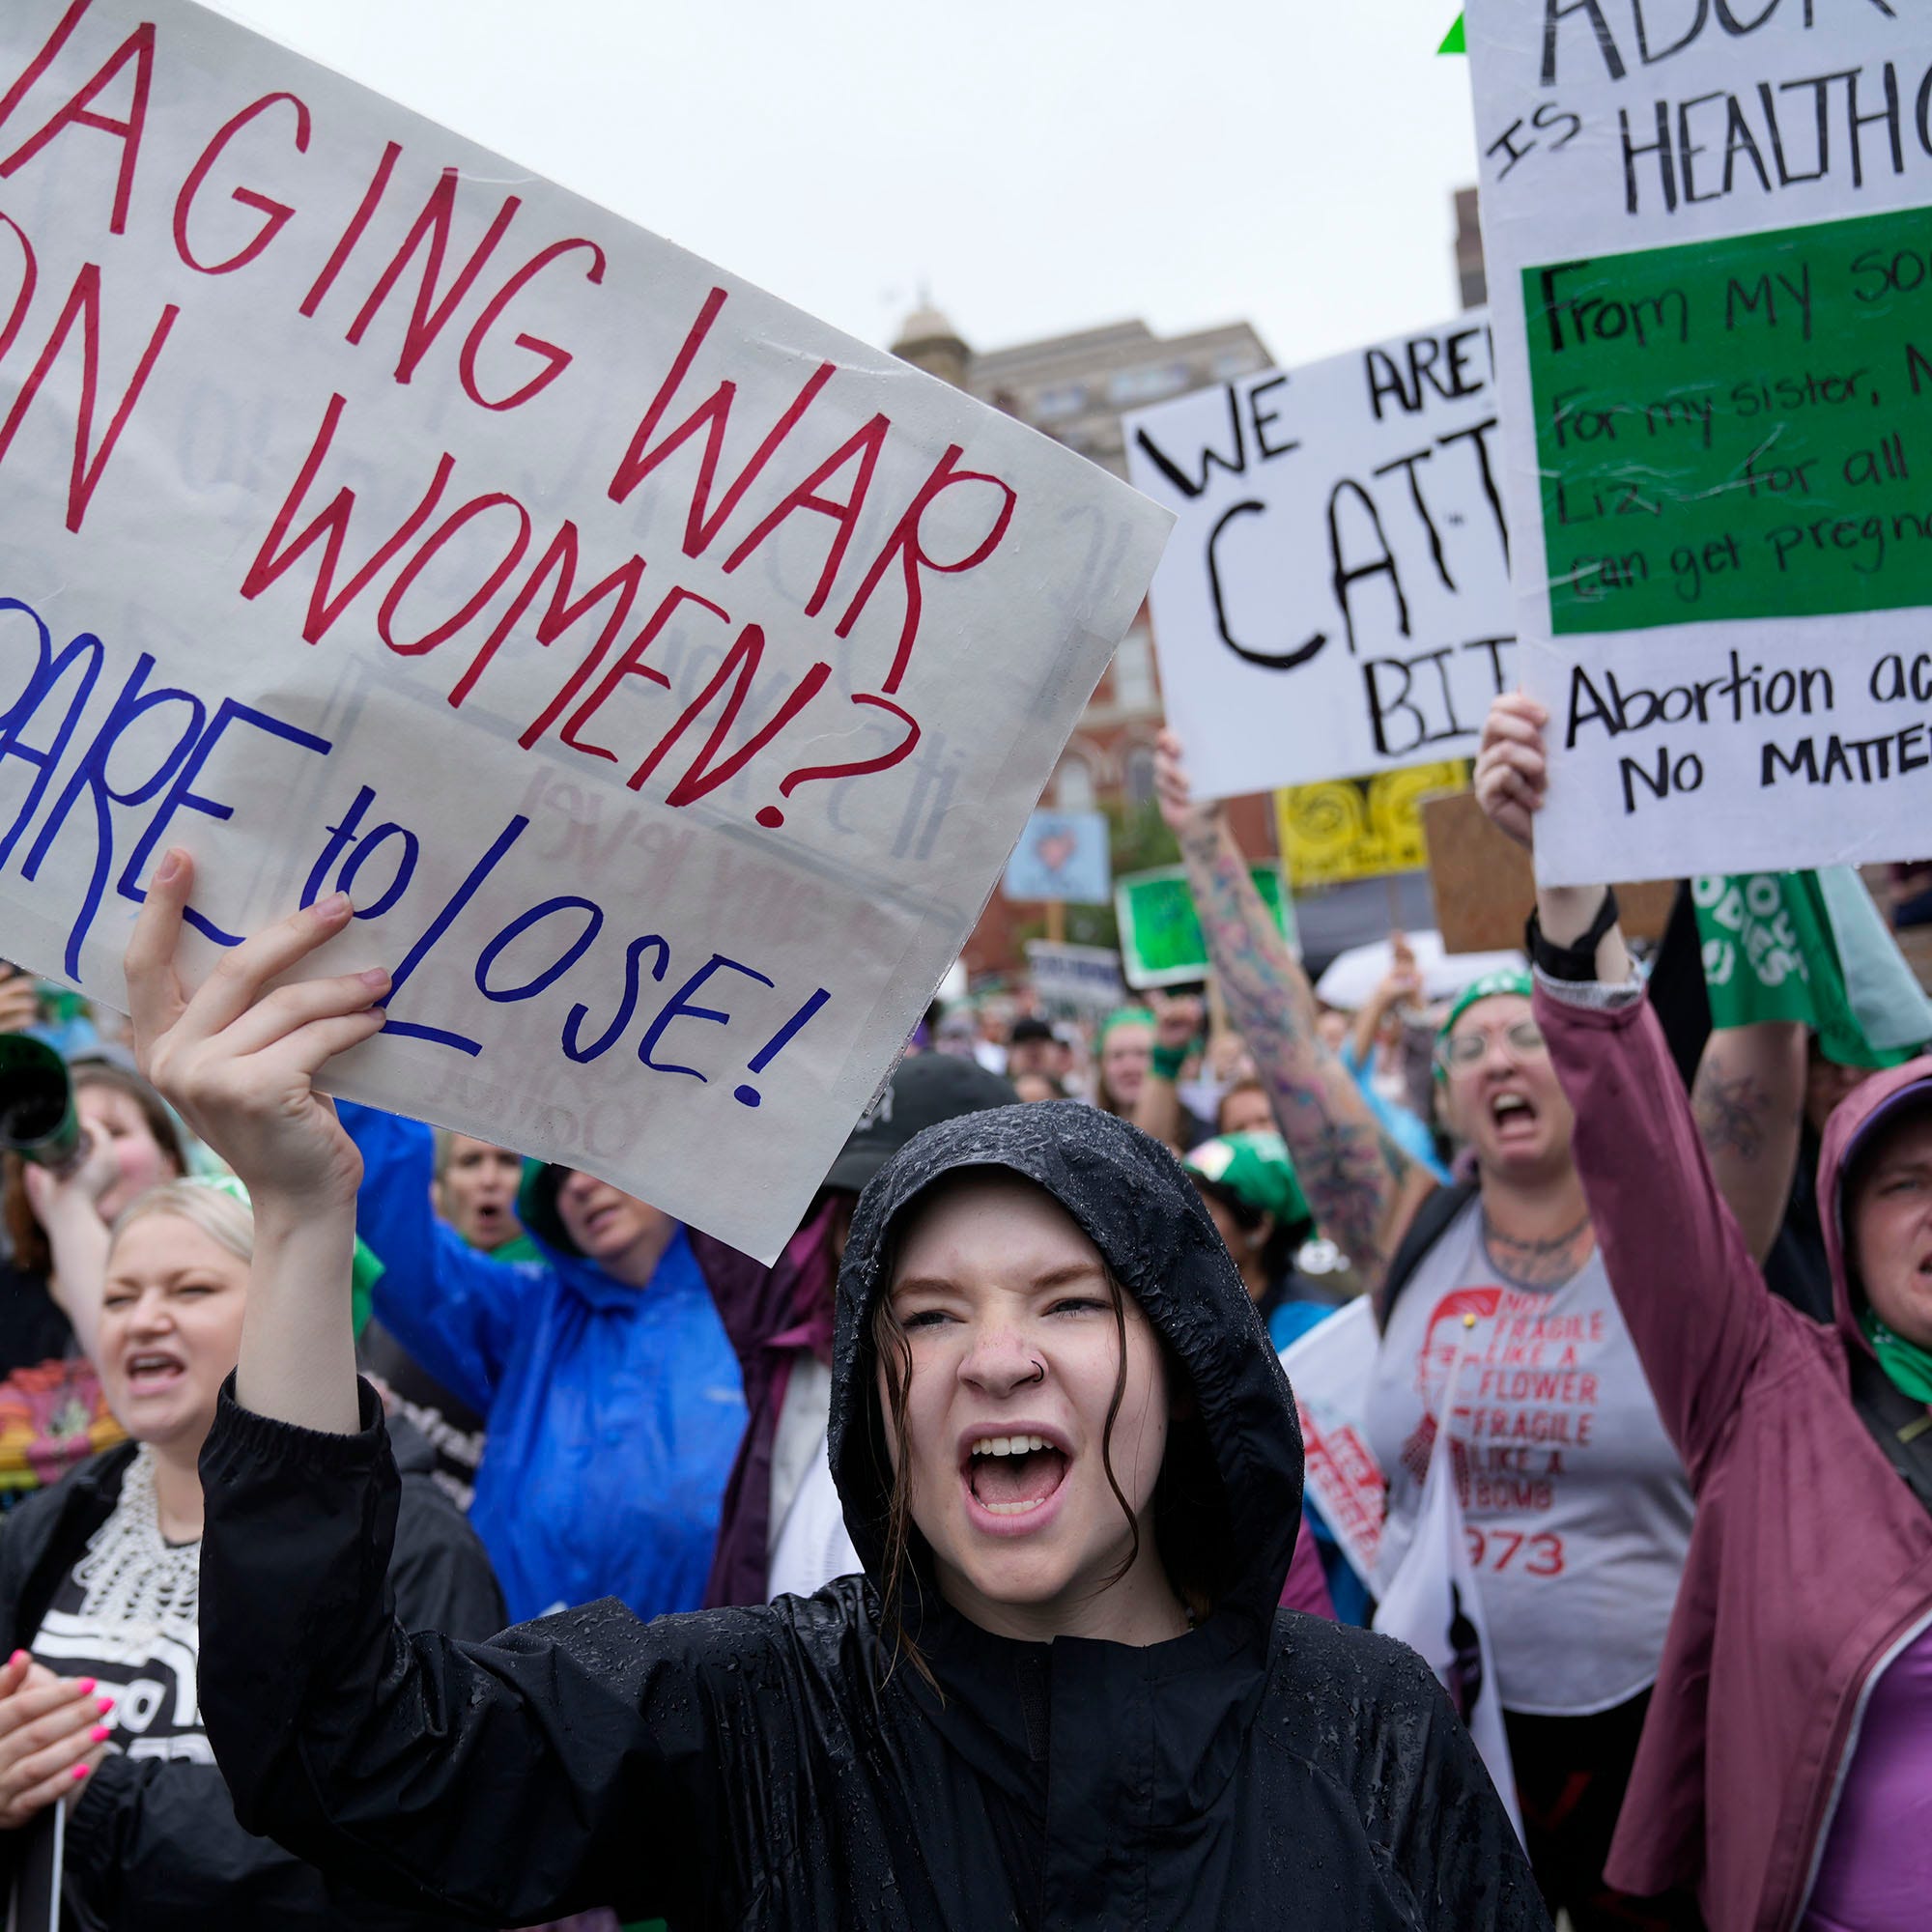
x=1749, y=1100
x=1361, y=1188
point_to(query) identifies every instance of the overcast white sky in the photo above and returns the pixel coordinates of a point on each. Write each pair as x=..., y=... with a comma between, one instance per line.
x=1040, y=165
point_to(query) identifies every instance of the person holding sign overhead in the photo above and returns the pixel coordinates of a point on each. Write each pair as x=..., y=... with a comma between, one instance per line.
x=1786, y=1766
x=1498, y=1326
x=1062, y=1693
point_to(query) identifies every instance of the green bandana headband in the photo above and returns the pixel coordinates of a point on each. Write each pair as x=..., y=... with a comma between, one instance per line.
x=1906, y=1365
x=1504, y=980
x=1124, y=1016
x=364, y=1268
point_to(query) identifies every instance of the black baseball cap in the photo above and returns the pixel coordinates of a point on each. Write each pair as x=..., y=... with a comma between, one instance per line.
x=1029, y=1028
x=926, y=1088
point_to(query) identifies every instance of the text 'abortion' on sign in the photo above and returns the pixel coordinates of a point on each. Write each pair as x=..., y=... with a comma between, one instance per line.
x=1335, y=601
x=382, y=517
x=1711, y=264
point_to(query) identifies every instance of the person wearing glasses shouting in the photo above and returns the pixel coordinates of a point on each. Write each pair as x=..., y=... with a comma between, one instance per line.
x=1499, y=1326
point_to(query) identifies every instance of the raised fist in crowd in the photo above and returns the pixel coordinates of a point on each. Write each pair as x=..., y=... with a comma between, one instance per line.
x=1512, y=772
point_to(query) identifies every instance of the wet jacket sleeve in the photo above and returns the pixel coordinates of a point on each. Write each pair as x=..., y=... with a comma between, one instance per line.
x=452, y=1308
x=565, y=1764
x=441, y=1572
x=1449, y=1836
x=1696, y=1305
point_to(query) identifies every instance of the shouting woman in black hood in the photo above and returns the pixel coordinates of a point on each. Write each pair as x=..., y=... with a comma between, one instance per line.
x=1062, y=1693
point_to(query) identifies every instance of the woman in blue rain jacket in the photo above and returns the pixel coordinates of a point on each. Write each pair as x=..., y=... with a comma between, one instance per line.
x=612, y=1396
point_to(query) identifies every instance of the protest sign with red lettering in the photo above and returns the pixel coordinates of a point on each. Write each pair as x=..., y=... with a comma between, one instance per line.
x=1335, y=602
x=1710, y=262
x=1330, y=1369
x=664, y=674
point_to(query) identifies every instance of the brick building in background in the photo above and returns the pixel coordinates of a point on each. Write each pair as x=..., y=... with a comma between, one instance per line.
x=1074, y=388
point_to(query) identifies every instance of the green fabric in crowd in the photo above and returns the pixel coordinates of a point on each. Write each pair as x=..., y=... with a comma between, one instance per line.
x=1771, y=953
x=1906, y=1363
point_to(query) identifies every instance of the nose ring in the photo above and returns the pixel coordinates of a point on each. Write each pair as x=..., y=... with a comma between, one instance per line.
x=1039, y=1373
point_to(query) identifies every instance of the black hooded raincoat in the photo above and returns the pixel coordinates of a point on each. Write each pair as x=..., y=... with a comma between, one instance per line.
x=763, y=1768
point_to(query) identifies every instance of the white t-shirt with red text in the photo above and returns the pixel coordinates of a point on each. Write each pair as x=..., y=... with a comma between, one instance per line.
x=1575, y=1505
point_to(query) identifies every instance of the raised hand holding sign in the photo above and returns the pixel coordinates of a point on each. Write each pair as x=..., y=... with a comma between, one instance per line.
x=614, y=636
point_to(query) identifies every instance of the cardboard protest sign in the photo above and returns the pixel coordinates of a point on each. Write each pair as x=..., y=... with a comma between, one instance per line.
x=380, y=517
x=1062, y=858
x=1336, y=597
x=1161, y=941
x=1087, y=976
x=1709, y=256
x=1359, y=828
x=1484, y=888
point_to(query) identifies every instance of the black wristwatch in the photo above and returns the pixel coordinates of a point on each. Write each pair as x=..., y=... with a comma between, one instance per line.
x=1576, y=963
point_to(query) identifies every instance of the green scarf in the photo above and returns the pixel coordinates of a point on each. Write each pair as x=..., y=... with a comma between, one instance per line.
x=1908, y=1366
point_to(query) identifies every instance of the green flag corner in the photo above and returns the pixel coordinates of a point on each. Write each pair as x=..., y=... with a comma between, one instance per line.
x=1453, y=41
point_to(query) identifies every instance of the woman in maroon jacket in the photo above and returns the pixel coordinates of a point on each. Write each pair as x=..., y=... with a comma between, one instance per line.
x=1786, y=1766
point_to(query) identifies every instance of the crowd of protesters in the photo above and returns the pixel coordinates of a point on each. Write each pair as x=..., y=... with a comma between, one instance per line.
x=986, y=1494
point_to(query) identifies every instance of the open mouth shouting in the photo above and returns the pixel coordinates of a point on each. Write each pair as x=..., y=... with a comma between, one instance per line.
x=151, y=1371
x=1513, y=1115
x=1013, y=1478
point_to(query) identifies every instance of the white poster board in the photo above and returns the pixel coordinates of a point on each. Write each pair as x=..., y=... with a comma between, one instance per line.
x=1709, y=257
x=1335, y=600
x=1330, y=1369
x=374, y=514
x=1087, y=976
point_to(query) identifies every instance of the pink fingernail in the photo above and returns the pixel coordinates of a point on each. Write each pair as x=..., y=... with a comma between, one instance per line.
x=18, y=1656
x=166, y=871
x=101, y=1734
x=80, y=1771
x=86, y=1685
x=107, y=1704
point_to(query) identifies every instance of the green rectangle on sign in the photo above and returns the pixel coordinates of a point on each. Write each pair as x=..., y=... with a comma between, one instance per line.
x=1737, y=429
x=1161, y=941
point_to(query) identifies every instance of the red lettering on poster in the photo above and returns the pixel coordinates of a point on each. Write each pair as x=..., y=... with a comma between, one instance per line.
x=79, y=111
x=555, y=361
x=904, y=544
x=444, y=533
x=83, y=306
x=559, y=615
x=863, y=446
x=712, y=417
x=331, y=529
x=629, y=664
x=432, y=311
x=278, y=212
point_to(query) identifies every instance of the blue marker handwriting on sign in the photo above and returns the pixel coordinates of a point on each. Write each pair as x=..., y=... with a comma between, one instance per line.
x=164, y=737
